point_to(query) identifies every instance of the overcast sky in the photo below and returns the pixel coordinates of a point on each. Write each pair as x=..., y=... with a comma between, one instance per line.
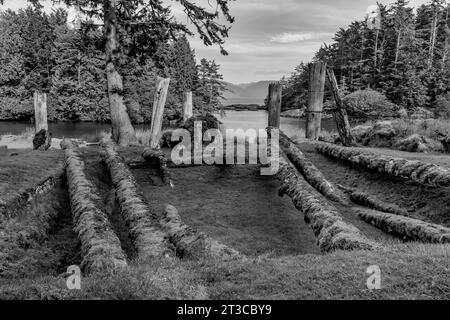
x=271, y=37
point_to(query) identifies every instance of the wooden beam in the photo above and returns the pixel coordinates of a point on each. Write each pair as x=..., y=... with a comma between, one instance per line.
x=162, y=86
x=274, y=103
x=340, y=114
x=315, y=102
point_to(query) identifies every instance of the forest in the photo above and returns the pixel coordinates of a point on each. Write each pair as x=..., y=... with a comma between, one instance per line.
x=41, y=52
x=398, y=65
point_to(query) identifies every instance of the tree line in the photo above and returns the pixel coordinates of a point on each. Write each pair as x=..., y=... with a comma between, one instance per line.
x=40, y=52
x=406, y=58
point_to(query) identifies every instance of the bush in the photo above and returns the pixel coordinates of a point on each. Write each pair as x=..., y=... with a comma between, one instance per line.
x=208, y=122
x=369, y=104
x=443, y=106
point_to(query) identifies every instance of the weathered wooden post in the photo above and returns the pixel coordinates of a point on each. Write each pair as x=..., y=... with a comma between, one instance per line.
x=162, y=86
x=40, y=111
x=187, y=106
x=340, y=114
x=274, y=103
x=315, y=103
x=42, y=139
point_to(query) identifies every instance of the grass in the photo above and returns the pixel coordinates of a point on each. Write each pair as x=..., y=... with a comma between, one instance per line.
x=412, y=271
x=427, y=128
x=279, y=263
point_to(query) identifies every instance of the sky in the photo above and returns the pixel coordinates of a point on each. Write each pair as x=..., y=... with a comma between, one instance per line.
x=270, y=37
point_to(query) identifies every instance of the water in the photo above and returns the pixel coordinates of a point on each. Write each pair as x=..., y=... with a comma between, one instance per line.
x=233, y=120
x=259, y=120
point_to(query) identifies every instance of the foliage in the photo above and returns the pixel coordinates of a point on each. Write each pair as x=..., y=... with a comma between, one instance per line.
x=369, y=104
x=69, y=66
x=407, y=59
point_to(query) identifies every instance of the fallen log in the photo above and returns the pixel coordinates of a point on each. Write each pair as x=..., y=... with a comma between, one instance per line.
x=364, y=199
x=309, y=171
x=406, y=228
x=190, y=243
x=420, y=172
x=100, y=246
x=158, y=156
x=330, y=229
x=146, y=232
x=9, y=209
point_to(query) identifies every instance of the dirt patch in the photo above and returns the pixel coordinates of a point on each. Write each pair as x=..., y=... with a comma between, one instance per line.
x=234, y=205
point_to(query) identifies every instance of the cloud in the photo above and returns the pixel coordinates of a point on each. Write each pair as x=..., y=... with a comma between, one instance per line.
x=288, y=37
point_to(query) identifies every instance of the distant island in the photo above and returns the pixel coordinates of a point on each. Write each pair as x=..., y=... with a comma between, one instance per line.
x=246, y=94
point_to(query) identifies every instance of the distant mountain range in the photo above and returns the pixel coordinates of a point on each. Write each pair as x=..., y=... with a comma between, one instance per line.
x=246, y=93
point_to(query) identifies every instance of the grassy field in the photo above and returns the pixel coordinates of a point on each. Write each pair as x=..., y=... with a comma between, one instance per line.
x=233, y=205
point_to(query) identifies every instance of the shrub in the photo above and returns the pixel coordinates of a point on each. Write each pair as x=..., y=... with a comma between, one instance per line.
x=208, y=122
x=369, y=104
x=443, y=106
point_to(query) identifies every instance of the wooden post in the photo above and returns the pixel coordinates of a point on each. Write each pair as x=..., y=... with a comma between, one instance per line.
x=187, y=106
x=162, y=86
x=315, y=103
x=40, y=111
x=274, y=103
x=340, y=114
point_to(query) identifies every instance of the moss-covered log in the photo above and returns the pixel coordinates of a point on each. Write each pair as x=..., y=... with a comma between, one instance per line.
x=9, y=209
x=420, y=172
x=146, y=232
x=364, y=199
x=406, y=228
x=330, y=229
x=309, y=170
x=191, y=243
x=100, y=246
x=158, y=156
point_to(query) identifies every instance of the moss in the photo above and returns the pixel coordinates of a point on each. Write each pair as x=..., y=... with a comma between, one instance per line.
x=407, y=228
x=101, y=247
x=417, y=171
x=146, y=232
x=331, y=231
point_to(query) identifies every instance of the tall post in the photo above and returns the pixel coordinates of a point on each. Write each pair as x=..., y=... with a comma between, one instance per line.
x=42, y=139
x=340, y=114
x=274, y=103
x=315, y=103
x=40, y=111
x=187, y=106
x=162, y=86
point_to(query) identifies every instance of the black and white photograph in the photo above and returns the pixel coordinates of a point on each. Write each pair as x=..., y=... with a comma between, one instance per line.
x=225, y=155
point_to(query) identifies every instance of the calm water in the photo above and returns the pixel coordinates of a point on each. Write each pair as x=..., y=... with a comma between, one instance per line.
x=233, y=120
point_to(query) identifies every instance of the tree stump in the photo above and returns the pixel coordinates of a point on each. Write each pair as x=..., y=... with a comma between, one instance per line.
x=42, y=140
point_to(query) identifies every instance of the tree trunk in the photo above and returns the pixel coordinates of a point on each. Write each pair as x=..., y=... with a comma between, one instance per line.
x=315, y=103
x=122, y=129
x=340, y=114
x=433, y=39
x=397, y=48
x=187, y=106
